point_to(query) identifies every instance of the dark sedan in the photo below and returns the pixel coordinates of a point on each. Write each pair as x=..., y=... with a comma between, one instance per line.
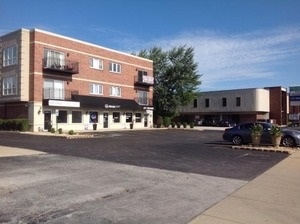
x=241, y=134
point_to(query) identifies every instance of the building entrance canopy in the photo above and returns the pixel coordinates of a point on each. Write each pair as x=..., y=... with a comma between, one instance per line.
x=106, y=103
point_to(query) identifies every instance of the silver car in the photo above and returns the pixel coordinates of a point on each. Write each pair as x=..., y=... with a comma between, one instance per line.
x=241, y=134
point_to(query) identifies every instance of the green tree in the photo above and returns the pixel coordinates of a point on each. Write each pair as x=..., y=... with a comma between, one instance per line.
x=175, y=78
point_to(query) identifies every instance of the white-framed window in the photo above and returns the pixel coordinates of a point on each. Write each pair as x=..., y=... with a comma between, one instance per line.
x=115, y=91
x=54, y=89
x=9, y=85
x=142, y=97
x=114, y=67
x=96, y=89
x=116, y=117
x=76, y=116
x=96, y=63
x=10, y=56
x=54, y=59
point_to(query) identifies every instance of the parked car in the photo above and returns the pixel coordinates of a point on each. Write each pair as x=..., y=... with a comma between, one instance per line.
x=241, y=134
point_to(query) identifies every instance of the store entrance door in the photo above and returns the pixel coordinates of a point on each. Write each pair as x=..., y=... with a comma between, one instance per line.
x=146, y=120
x=47, y=120
x=105, y=120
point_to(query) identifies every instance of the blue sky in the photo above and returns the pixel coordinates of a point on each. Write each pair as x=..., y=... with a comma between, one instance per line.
x=237, y=43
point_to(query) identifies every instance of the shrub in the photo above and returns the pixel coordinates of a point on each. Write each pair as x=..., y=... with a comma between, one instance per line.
x=71, y=132
x=167, y=122
x=173, y=124
x=159, y=122
x=256, y=129
x=60, y=130
x=14, y=125
x=52, y=130
x=178, y=124
x=275, y=130
x=192, y=124
x=184, y=124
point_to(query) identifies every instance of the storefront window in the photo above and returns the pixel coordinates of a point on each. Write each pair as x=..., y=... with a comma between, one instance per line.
x=128, y=117
x=116, y=117
x=62, y=116
x=138, y=117
x=76, y=116
x=93, y=117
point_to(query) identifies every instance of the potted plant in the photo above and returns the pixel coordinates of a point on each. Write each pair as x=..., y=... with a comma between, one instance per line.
x=256, y=132
x=94, y=126
x=275, y=133
x=131, y=124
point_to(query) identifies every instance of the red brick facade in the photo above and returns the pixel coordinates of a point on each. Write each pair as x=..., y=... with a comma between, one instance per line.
x=78, y=81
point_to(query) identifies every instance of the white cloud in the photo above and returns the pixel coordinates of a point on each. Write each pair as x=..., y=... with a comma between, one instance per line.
x=246, y=56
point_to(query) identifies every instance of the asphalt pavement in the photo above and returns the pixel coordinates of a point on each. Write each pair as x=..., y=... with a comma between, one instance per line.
x=272, y=197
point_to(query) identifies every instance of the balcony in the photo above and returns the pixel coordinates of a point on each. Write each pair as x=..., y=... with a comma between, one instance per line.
x=58, y=94
x=60, y=65
x=144, y=80
x=144, y=101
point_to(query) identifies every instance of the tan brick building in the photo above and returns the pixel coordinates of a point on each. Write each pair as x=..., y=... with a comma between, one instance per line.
x=239, y=105
x=71, y=84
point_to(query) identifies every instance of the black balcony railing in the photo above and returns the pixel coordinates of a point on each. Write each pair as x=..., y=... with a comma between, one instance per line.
x=58, y=94
x=144, y=101
x=144, y=80
x=60, y=65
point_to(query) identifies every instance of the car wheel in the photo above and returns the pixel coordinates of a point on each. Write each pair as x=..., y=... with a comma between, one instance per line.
x=237, y=140
x=288, y=141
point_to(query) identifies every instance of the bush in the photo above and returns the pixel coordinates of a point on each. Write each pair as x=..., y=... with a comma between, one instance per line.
x=173, y=124
x=167, y=122
x=14, y=125
x=52, y=130
x=60, y=130
x=184, y=124
x=71, y=132
x=178, y=124
x=159, y=122
x=192, y=124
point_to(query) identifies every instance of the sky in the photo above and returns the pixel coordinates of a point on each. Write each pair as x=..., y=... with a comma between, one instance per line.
x=237, y=43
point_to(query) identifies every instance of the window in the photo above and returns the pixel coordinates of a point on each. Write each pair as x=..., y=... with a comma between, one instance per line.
x=10, y=56
x=116, y=117
x=138, y=117
x=115, y=91
x=238, y=101
x=76, y=116
x=195, y=103
x=96, y=63
x=96, y=89
x=62, y=116
x=114, y=67
x=54, y=89
x=9, y=85
x=128, y=117
x=142, y=97
x=206, y=102
x=93, y=117
x=141, y=74
x=224, y=102
x=54, y=59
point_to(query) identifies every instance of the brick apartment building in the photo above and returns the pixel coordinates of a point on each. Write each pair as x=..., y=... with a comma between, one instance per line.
x=239, y=105
x=66, y=83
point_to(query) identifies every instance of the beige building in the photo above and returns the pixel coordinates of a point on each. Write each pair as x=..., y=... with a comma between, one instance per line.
x=239, y=105
x=61, y=82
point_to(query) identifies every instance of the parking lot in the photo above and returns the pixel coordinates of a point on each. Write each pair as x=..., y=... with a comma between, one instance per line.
x=146, y=176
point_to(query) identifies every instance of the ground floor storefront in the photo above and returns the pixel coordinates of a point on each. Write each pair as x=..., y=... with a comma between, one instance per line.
x=81, y=113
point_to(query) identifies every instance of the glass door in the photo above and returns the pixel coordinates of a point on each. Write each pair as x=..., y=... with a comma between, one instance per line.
x=105, y=120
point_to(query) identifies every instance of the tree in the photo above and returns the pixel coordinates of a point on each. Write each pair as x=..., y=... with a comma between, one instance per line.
x=175, y=78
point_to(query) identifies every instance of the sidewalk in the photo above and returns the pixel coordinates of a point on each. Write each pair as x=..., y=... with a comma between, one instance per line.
x=10, y=151
x=273, y=197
